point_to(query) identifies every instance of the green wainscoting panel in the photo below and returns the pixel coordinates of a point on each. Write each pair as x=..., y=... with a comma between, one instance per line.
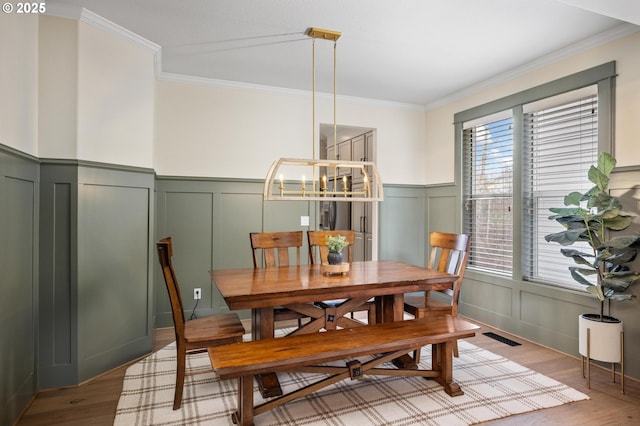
x=113, y=276
x=19, y=193
x=95, y=269
x=188, y=220
x=209, y=221
x=65, y=223
x=402, y=225
x=553, y=316
x=58, y=275
x=285, y=216
x=19, y=285
x=238, y=215
x=442, y=213
x=479, y=297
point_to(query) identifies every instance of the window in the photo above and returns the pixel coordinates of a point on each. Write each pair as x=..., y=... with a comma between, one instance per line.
x=560, y=144
x=488, y=216
x=520, y=155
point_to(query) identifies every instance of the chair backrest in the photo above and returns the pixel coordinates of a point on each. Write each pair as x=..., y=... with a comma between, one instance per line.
x=275, y=247
x=450, y=253
x=165, y=252
x=318, y=250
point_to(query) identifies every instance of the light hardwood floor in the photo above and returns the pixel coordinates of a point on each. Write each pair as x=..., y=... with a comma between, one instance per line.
x=94, y=403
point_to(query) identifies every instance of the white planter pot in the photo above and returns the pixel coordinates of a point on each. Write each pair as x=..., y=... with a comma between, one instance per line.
x=604, y=337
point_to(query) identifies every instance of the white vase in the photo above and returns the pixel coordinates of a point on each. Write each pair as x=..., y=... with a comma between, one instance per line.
x=604, y=337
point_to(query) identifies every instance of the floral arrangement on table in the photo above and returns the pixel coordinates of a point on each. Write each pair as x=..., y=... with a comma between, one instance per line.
x=336, y=243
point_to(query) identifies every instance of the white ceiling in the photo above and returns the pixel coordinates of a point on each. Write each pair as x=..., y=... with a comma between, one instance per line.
x=418, y=52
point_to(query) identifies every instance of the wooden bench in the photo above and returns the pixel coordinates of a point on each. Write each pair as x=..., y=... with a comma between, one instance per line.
x=386, y=341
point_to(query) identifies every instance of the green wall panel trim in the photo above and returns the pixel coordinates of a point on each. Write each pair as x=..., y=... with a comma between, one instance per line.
x=212, y=185
x=95, y=165
x=56, y=275
x=16, y=158
x=96, y=270
x=58, y=357
x=19, y=198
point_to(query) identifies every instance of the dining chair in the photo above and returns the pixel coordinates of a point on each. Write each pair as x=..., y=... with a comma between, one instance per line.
x=195, y=335
x=318, y=250
x=318, y=253
x=448, y=253
x=277, y=249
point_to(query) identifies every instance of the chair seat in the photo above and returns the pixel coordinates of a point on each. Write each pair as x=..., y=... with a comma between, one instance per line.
x=418, y=306
x=217, y=328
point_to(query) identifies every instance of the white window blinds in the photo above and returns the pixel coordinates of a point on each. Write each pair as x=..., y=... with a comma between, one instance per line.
x=487, y=204
x=560, y=144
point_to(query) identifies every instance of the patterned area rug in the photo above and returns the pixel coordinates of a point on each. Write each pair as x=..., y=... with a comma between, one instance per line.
x=494, y=387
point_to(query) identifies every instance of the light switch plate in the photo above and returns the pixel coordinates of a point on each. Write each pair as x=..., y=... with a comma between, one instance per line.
x=304, y=220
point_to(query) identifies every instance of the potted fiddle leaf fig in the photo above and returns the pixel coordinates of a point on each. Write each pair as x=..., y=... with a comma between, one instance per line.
x=590, y=217
x=336, y=244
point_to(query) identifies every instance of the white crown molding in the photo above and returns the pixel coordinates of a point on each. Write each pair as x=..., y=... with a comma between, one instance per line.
x=97, y=21
x=228, y=84
x=101, y=23
x=65, y=10
x=612, y=34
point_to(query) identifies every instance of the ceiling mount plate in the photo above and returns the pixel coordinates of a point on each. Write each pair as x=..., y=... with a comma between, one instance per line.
x=323, y=34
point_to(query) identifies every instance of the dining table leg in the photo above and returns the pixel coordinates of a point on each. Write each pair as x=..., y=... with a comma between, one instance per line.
x=262, y=327
x=392, y=309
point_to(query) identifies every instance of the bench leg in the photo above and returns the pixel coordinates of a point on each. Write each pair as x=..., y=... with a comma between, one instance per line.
x=442, y=360
x=244, y=415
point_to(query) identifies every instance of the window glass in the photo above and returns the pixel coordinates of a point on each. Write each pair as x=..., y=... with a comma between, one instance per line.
x=488, y=213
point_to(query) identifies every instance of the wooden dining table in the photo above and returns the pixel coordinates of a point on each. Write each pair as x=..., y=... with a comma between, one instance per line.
x=301, y=287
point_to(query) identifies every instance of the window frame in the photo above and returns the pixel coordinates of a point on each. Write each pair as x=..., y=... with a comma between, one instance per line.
x=602, y=75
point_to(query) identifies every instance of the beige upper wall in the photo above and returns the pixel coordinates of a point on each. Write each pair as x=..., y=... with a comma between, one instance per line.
x=212, y=131
x=19, y=82
x=116, y=95
x=626, y=53
x=58, y=88
x=74, y=91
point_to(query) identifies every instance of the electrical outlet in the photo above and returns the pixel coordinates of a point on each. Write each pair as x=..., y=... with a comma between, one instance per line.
x=197, y=293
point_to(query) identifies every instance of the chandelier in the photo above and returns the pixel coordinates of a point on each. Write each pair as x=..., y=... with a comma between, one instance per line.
x=314, y=179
